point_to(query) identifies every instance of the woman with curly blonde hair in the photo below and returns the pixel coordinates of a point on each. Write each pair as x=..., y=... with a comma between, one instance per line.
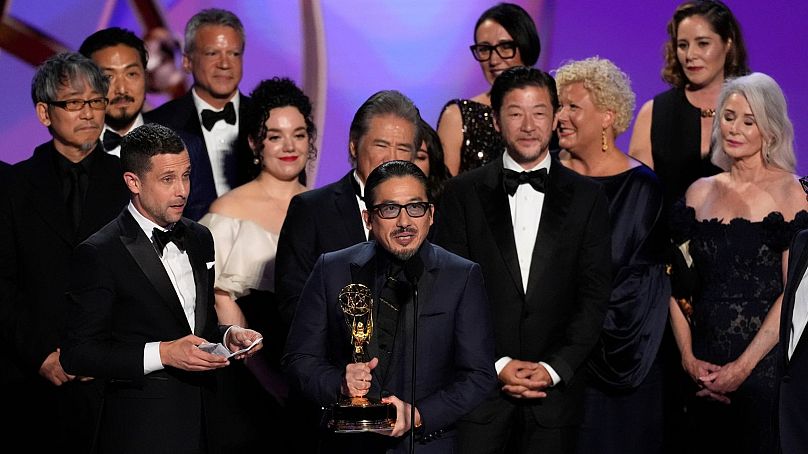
x=623, y=400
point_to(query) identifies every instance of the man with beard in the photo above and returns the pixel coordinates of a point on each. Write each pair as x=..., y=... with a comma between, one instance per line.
x=455, y=369
x=122, y=58
x=49, y=203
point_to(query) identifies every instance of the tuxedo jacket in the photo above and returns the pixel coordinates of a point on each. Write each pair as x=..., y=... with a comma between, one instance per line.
x=180, y=115
x=455, y=369
x=559, y=319
x=120, y=297
x=36, y=241
x=793, y=373
x=318, y=221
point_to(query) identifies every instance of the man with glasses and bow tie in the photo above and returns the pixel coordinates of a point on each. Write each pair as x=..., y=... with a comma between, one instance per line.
x=541, y=234
x=213, y=107
x=140, y=308
x=122, y=57
x=50, y=203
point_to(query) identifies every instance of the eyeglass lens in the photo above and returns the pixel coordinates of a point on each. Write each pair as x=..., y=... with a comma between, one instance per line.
x=392, y=210
x=482, y=52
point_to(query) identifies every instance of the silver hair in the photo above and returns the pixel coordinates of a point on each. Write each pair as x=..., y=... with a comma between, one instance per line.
x=212, y=16
x=768, y=105
x=69, y=69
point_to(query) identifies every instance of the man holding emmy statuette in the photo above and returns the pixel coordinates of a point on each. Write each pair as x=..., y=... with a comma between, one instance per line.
x=355, y=343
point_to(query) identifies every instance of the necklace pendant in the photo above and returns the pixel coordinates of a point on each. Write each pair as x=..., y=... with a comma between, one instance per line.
x=707, y=113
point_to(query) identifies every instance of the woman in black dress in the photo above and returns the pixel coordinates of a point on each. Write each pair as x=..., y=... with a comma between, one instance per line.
x=672, y=131
x=504, y=36
x=735, y=228
x=623, y=400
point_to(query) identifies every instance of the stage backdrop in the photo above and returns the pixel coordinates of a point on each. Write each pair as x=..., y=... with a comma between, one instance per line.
x=342, y=51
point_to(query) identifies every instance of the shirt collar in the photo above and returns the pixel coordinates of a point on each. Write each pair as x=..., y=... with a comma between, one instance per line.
x=145, y=223
x=201, y=105
x=510, y=164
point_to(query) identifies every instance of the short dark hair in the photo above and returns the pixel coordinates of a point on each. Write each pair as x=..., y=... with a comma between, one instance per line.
x=212, y=16
x=521, y=77
x=388, y=170
x=723, y=23
x=114, y=36
x=438, y=172
x=69, y=69
x=143, y=142
x=385, y=102
x=518, y=23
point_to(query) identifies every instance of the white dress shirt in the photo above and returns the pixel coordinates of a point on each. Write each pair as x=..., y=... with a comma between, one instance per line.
x=117, y=150
x=178, y=266
x=361, y=203
x=220, y=141
x=800, y=315
x=526, y=207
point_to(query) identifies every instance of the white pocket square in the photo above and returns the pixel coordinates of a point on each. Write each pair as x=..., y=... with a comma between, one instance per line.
x=209, y=265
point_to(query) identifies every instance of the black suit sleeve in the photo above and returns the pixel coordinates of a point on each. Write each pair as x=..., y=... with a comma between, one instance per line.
x=295, y=257
x=89, y=346
x=451, y=235
x=593, y=285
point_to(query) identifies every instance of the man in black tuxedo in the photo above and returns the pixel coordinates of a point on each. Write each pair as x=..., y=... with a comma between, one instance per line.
x=455, y=342
x=385, y=128
x=540, y=233
x=140, y=306
x=213, y=108
x=122, y=57
x=49, y=203
x=793, y=370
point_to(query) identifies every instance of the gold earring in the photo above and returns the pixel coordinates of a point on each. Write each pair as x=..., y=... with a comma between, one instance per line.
x=603, y=146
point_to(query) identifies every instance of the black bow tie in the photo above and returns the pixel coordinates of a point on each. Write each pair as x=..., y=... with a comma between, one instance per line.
x=210, y=117
x=512, y=180
x=111, y=140
x=161, y=238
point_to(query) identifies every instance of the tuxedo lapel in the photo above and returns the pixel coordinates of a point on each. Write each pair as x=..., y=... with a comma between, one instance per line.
x=348, y=211
x=788, y=306
x=497, y=208
x=45, y=193
x=427, y=280
x=143, y=252
x=557, y=199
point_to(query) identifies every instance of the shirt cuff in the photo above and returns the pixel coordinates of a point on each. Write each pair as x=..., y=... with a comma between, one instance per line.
x=151, y=358
x=501, y=363
x=556, y=378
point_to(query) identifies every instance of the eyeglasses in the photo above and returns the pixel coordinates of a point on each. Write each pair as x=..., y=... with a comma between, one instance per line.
x=804, y=183
x=74, y=105
x=392, y=210
x=482, y=52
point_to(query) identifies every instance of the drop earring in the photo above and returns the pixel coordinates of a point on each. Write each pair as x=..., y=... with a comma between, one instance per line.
x=603, y=146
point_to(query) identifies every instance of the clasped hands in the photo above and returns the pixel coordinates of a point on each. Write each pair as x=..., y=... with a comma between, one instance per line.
x=184, y=354
x=356, y=383
x=716, y=382
x=525, y=379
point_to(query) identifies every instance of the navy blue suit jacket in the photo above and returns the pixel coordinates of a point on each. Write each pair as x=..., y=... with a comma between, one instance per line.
x=455, y=337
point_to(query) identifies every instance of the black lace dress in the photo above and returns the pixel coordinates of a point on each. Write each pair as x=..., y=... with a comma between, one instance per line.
x=481, y=142
x=740, y=275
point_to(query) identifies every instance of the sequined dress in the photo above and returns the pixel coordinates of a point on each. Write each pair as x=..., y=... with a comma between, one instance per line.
x=481, y=142
x=739, y=268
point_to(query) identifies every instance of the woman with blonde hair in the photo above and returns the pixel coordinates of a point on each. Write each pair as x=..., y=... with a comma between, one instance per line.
x=623, y=399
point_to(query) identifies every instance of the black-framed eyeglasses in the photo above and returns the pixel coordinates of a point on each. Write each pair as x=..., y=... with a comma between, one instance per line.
x=392, y=210
x=74, y=105
x=804, y=183
x=505, y=49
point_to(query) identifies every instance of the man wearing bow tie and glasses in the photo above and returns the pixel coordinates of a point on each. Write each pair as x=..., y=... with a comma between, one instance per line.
x=541, y=234
x=140, y=306
x=212, y=109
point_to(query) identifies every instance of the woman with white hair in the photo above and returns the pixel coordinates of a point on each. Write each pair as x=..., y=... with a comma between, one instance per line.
x=623, y=400
x=735, y=228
